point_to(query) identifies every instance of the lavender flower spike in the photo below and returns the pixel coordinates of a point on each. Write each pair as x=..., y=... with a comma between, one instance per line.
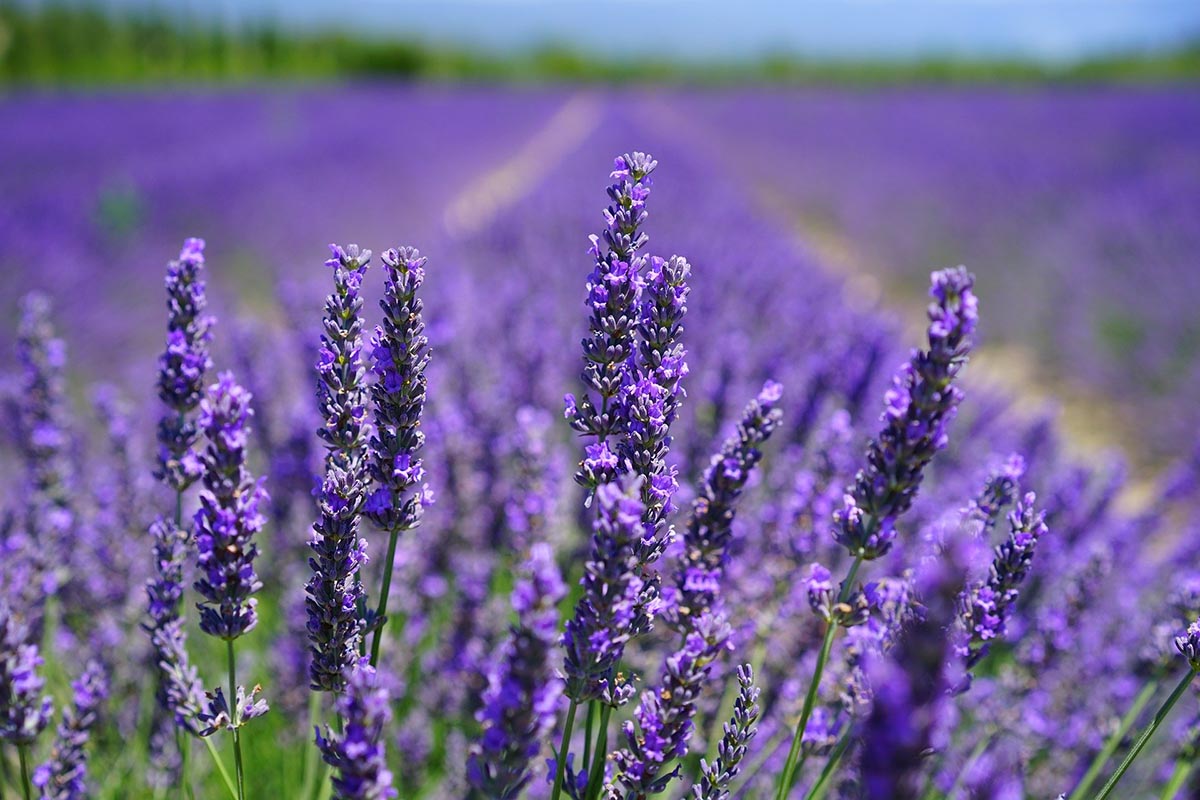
x=986, y=607
x=652, y=402
x=920, y=405
x=358, y=752
x=711, y=525
x=333, y=592
x=715, y=778
x=182, y=366
x=664, y=716
x=521, y=700
x=606, y=614
x=614, y=291
x=44, y=438
x=341, y=390
x=400, y=353
x=179, y=692
x=24, y=711
x=64, y=776
x=230, y=514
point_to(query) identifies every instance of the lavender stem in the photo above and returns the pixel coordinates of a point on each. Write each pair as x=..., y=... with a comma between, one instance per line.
x=596, y=773
x=216, y=757
x=589, y=726
x=788, y=776
x=384, y=591
x=237, y=734
x=1114, y=741
x=23, y=755
x=1142, y=740
x=1183, y=768
x=310, y=759
x=561, y=758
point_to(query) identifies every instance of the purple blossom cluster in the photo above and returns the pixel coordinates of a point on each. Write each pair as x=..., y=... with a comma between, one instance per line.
x=231, y=513
x=357, y=752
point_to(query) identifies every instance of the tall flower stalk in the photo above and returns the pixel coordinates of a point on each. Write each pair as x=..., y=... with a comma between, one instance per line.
x=710, y=528
x=717, y=777
x=231, y=513
x=182, y=370
x=633, y=364
x=64, y=776
x=334, y=592
x=24, y=710
x=920, y=405
x=399, y=356
x=662, y=724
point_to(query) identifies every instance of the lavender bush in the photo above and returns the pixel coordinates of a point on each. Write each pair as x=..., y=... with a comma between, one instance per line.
x=746, y=591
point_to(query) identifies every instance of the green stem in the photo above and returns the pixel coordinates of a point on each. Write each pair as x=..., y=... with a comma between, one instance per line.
x=384, y=591
x=1142, y=740
x=1114, y=741
x=185, y=764
x=1183, y=768
x=596, y=774
x=216, y=757
x=234, y=722
x=310, y=753
x=831, y=764
x=561, y=768
x=788, y=777
x=587, y=737
x=23, y=755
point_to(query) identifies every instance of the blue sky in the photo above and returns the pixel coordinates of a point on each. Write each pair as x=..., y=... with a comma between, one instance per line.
x=1045, y=29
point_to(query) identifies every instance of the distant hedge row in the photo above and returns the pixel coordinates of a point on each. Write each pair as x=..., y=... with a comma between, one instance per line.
x=70, y=44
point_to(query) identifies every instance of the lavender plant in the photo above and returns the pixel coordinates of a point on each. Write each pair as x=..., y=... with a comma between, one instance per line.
x=921, y=403
x=335, y=592
x=399, y=357
x=716, y=778
x=231, y=513
x=64, y=776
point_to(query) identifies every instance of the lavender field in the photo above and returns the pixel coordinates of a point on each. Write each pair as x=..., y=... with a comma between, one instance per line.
x=755, y=493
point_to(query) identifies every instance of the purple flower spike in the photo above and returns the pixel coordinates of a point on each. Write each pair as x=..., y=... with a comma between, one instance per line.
x=358, y=754
x=986, y=607
x=522, y=697
x=606, y=616
x=716, y=778
x=710, y=528
x=334, y=592
x=614, y=298
x=920, y=405
x=231, y=512
x=664, y=716
x=64, y=777
x=182, y=366
x=24, y=711
x=399, y=356
x=180, y=692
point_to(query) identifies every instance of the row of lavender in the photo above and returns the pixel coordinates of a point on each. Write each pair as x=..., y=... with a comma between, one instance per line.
x=1077, y=209
x=708, y=579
